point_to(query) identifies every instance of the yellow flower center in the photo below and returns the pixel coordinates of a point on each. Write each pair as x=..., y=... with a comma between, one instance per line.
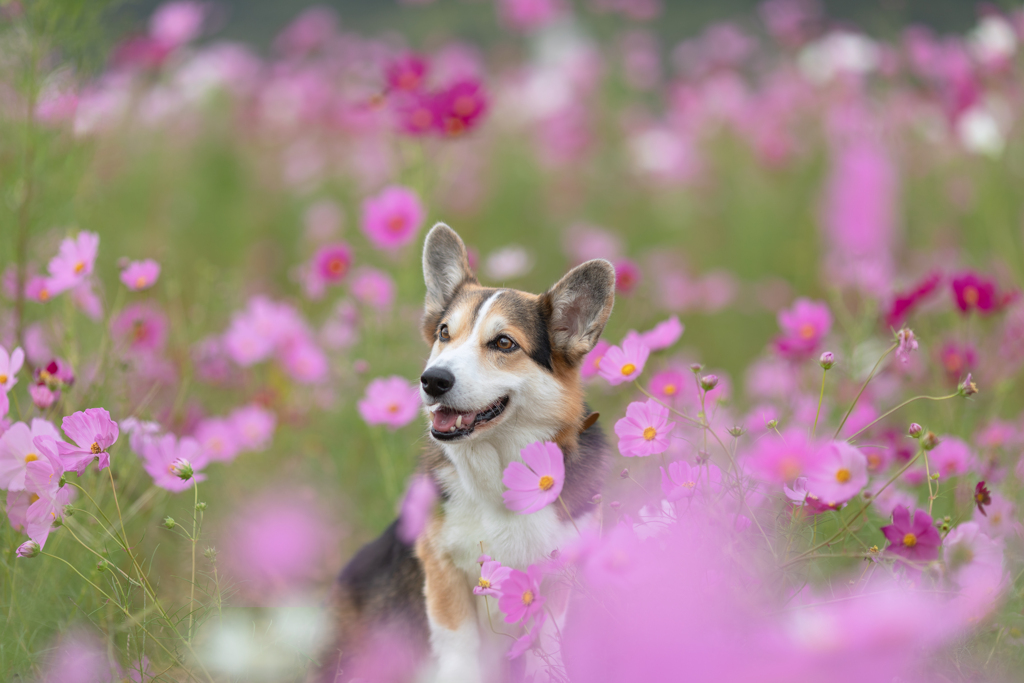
x=95, y=448
x=807, y=331
x=3, y=379
x=546, y=482
x=628, y=369
x=393, y=408
x=484, y=583
x=971, y=295
x=790, y=468
x=843, y=475
x=33, y=498
x=44, y=294
x=650, y=433
x=336, y=266
x=140, y=281
x=79, y=267
x=528, y=598
x=670, y=389
x=910, y=540
x=396, y=223
x=31, y=457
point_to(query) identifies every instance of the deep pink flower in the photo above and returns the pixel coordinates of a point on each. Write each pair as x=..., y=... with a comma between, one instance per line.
x=407, y=72
x=951, y=458
x=219, y=439
x=804, y=326
x=390, y=401
x=670, y=385
x=974, y=292
x=537, y=481
x=460, y=107
x=912, y=537
x=42, y=480
x=141, y=327
x=624, y=364
x=663, y=335
x=10, y=366
x=645, y=430
x=592, y=361
x=782, y=459
x=253, y=426
x=374, y=288
x=93, y=432
x=520, y=594
x=417, y=113
x=73, y=263
x=616, y=560
x=17, y=451
x=177, y=23
x=159, y=455
x=392, y=218
x=800, y=496
x=838, y=473
x=140, y=274
x=680, y=481
x=903, y=304
x=627, y=276
x=957, y=359
x=417, y=507
x=332, y=262
x=492, y=574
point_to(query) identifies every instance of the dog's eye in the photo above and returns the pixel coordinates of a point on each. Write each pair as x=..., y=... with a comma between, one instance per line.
x=443, y=333
x=504, y=343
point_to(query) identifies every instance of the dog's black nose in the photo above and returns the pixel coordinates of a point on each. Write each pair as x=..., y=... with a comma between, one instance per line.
x=437, y=381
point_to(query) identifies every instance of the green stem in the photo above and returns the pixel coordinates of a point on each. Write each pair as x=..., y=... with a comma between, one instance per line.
x=386, y=466
x=862, y=388
x=192, y=584
x=893, y=410
x=821, y=397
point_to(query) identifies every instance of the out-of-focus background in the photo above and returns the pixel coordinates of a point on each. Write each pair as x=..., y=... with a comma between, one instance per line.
x=728, y=157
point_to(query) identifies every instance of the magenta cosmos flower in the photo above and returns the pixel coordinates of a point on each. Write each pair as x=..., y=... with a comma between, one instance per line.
x=93, y=432
x=10, y=366
x=392, y=218
x=951, y=458
x=912, y=537
x=140, y=274
x=141, y=328
x=332, y=262
x=645, y=430
x=520, y=594
x=535, y=482
x=492, y=575
x=781, y=459
x=838, y=473
x=161, y=454
x=627, y=276
x=390, y=401
x=406, y=73
x=73, y=263
x=804, y=326
x=624, y=364
x=417, y=506
x=460, y=107
x=592, y=361
x=17, y=451
x=974, y=293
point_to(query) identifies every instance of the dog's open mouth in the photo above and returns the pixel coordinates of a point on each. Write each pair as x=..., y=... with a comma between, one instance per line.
x=449, y=423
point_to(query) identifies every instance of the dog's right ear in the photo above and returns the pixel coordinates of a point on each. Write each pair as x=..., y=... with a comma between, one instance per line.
x=445, y=270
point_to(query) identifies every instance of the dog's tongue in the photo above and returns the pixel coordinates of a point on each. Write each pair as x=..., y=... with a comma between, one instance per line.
x=444, y=420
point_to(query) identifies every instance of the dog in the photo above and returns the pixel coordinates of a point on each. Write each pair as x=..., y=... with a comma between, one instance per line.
x=503, y=373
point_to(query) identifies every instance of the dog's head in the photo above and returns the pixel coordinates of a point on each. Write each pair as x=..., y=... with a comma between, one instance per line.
x=503, y=359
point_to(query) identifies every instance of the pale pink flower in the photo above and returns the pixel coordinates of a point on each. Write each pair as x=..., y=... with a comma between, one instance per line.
x=41, y=289
x=800, y=496
x=663, y=335
x=42, y=479
x=951, y=458
x=975, y=564
x=390, y=401
x=141, y=328
x=671, y=385
x=245, y=342
x=79, y=657
x=520, y=594
x=161, y=454
x=537, y=481
x=645, y=430
x=177, y=23
x=84, y=297
x=781, y=459
x=93, y=432
x=392, y=218
x=218, y=438
x=585, y=242
x=616, y=560
x=906, y=342
x=304, y=361
x=42, y=396
x=1001, y=520
x=624, y=364
x=374, y=288
x=17, y=451
x=254, y=426
x=592, y=361
x=140, y=274
x=416, y=508
x=10, y=366
x=680, y=481
x=804, y=326
x=492, y=574
x=323, y=220
x=529, y=15
x=838, y=473
x=28, y=549
x=73, y=263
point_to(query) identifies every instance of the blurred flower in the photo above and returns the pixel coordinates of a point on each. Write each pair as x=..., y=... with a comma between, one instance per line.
x=219, y=439
x=663, y=335
x=253, y=426
x=585, y=242
x=332, y=262
x=838, y=473
x=645, y=430
x=1001, y=520
x=903, y=304
x=392, y=218
x=912, y=536
x=592, y=361
x=680, y=481
x=982, y=497
x=93, y=432
x=417, y=507
x=407, y=72
x=17, y=451
x=390, y=401
x=28, y=549
x=79, y=656
x=975, y=563
x=669, y=385
x=625, y=364
x=73, y=263
x=177, y=23
x=48, y=496
x=83, y=296
x=41, y=289
x=42, y=396
x=905, y=344
x=164, y=458
x=520, y=594
x=800, y=496
x=804, y=326
x=537, y=481
x=627, y=276
x=142, y=327
x=323, y=220
x=492, y=574
x=782, y=458
x=529, y=15
x=309, y=31
x=374, y=288
x=460, y=106
x=10, y=366
x=140, y=274
x=508, y=263
x=974, y=292
x=957, y=359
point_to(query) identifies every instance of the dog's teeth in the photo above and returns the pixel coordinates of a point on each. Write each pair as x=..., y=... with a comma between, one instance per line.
x=458, y=422
x=434, y=408
x=453, y=428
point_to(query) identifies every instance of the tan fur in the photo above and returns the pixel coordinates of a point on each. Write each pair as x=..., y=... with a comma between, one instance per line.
x=449, y=598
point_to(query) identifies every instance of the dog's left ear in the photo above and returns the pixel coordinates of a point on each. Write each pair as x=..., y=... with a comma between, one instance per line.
x=581, y=303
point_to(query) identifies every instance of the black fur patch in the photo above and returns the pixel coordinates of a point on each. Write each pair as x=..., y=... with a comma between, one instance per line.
x=585, y=470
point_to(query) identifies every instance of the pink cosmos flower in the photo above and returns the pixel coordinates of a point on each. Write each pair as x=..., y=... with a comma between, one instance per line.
x=782, y=459
x=177, y=23
x=304, y=361
x=416, y=113
x=800, y=496
x=41, y=289
x=407, y=72
x=537, y=481
x=417, y=506
x=627, y=276
x=957, y=359
x=529, y=15
x=912, y=536
x=585, y=242
x=951, y=458
x=616, y=560
x=663, y=335
x=680, y=481
x=332, y=262
x=27, y=549
x=906, y=343
x=42, y=396
x=624, y=364
x=974, y=292
x=392, y=218
x=460, y=107
x=804, y=326
x=390, y=401
x=159, y=455
x=141, y=327
x=93, y=432
x=5, y=406
x=73, y=263
x=17, y=451
x=219, y=439
x=374, y=288
x=42, y=480
x=670, y=385
x=520, y=594
x=592, y=361
x=1000, y=520
x=526, y=641
x=84, y=297
x=645, y=430
x=10, y=366
x=838, y=473
x=492, y=575
x=254, y=426
x=140, y=274
x=975, y=563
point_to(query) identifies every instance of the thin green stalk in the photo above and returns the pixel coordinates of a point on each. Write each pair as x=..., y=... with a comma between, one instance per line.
x=928, y=475
x=386, y=466
x=862, y=388
x=821, y=397
x=893, y=410
x=192, y=584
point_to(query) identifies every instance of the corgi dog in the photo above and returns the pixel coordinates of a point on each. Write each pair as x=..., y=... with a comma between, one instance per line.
x=503, y=373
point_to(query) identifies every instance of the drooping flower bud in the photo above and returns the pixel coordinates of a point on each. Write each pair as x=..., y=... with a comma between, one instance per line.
x=827, y=360
x=929, y=441
x=737, y=431
x=771, y=424
x=615, y=504
x=696, y=367
x=624, y=474
x=181, y=468
x=169, y=523
x=596, y=499
x=708, y=382
x=28, y=549
x=967, y=387
x=915, y=430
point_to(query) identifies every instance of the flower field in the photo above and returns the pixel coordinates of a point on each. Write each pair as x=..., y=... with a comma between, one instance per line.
x=211, y=337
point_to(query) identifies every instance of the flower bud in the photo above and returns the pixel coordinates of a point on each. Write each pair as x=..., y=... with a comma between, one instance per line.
x=169, y=523
x=201, y=506
x=935, y=476
x=929, y=441
x=69, y=510
x=737, y=431
x=703, y=457
x=624, y=474
x=102, y=565
x=709, y=382
x=210, y=554
x=967, y=387
x=596, y=500
x=615, y=505
x=772, y=424
x=915, y=430
x=696, y=367
x=28, y=549
x=827, y=360
x=181, y=468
